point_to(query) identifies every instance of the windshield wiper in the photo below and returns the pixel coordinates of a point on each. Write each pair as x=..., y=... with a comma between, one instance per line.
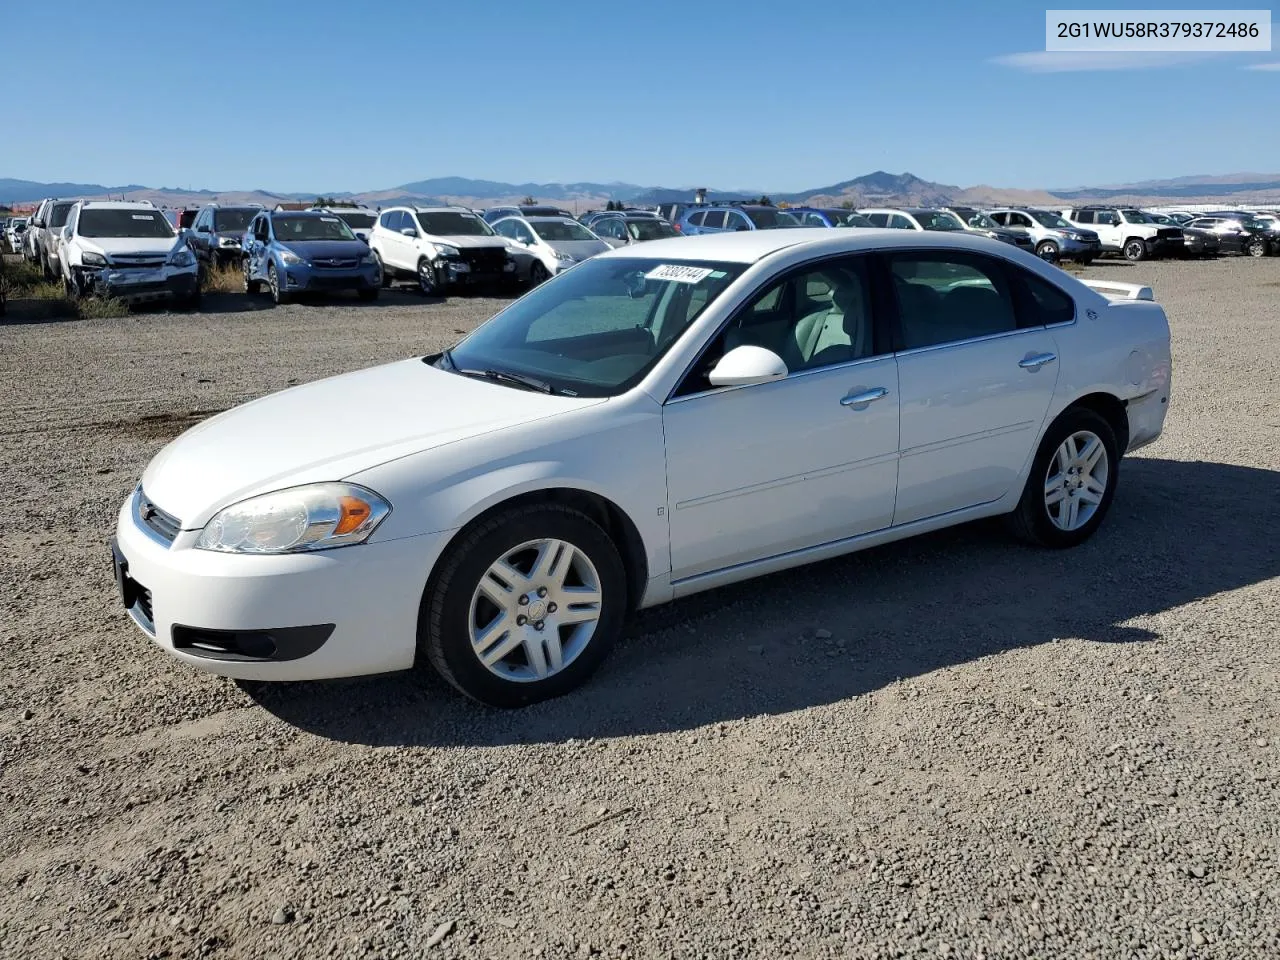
x=513, y=379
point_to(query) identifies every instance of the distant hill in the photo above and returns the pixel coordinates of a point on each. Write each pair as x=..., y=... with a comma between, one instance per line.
x=879, y=188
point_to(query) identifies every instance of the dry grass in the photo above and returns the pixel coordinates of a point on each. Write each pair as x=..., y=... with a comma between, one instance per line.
x=29, y=292
x=222, y=280
x=102, y=308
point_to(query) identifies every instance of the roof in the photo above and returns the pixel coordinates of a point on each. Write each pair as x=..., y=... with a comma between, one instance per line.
x=298, y=213
x=120, y=204
x=748, y=246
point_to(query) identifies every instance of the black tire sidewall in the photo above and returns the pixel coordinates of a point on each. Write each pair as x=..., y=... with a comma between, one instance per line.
x=443, y=628
x=1035, y=515
x=1048, y=250
x=1140, y=251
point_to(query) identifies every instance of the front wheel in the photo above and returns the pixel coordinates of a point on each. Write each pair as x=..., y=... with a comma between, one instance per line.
x=537, y=274
x=384, y=279
x=426, y=278
x=1135, y=250
x=278, y=295
x=1256, y=247
x=1072, y=482
x=251, y=286
x=525, y=607
x=1048, y=250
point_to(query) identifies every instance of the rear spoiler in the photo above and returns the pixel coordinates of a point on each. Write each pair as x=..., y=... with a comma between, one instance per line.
x=1118, y=290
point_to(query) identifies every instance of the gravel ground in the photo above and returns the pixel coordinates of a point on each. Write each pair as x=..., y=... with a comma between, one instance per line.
x=951, y=747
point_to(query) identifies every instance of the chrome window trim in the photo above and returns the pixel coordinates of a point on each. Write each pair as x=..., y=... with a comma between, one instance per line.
x=969, y=340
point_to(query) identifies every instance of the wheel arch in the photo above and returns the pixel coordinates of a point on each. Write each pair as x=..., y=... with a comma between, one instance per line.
x=1108, y=406
x=615, y=522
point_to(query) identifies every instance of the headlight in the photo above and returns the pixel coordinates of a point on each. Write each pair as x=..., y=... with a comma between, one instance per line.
x=182, y=258
x=91, y=259
x=561, y=255
x=319, y=516
x=289, y=258
x=368, y=259
x=444, y=250
x=228, y=242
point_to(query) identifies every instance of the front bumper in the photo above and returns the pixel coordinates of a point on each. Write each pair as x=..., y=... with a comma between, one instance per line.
x=307, y=279
x=1166, y=246
x=1072, y=249
x=333, y=613
x=139, y=286
x=456, y=272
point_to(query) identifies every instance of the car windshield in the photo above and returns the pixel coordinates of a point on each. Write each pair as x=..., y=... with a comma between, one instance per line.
x=1047, y=219
x=596, y=329
x=1161, y=218
x=1251, y=224
x=937, y=220
x=58, y=216
x=294, y=228
x=454, y=224
x=233, y=221
x=356, y=221
x=646, y=229
x=765, y=218
x=137, y=224
x=980, y=220
x=1136, y=216
x=561, y=230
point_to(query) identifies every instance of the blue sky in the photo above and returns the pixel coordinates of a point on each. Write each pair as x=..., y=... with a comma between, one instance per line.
x=339, y=95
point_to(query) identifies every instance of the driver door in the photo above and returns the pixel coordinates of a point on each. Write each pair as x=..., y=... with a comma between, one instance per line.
x=261, y=240
x=761, y=470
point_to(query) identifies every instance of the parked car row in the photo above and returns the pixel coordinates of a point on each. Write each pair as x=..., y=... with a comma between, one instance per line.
x=137, y=252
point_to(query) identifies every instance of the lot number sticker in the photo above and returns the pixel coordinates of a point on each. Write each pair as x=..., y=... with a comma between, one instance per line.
x=679, y=274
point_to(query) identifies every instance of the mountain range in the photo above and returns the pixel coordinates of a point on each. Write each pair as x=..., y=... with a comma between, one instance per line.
x=873, y=189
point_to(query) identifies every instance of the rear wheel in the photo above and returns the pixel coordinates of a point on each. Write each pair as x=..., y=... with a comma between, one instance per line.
x=1135, y=250
x=1048, y=250
x=1072, y=481
x=251, y=286
x=526, y=605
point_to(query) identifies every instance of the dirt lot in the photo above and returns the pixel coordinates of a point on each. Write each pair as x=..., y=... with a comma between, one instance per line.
x=951, y=747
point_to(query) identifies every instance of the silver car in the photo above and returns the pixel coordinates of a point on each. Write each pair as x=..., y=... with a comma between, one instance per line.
x=1052, y=237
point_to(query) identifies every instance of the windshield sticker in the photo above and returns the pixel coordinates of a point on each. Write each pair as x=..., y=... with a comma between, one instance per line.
x=678, y=273
x=143, y=216
x=329, y=219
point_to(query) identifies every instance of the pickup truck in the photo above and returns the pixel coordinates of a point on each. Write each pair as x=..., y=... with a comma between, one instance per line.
x=1129, y=232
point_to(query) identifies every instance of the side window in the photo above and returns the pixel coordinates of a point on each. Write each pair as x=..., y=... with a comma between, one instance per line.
x=614, y=229
x=1082, y=216
x=696, y=219
x=879, y=219
x=505, y=228
x=1001, y=218
x=263, y=229
x=817, y=317
x=713, y=218
x=736, y=221
x=71, y=221
x=411, y=221
x=384, y=221
x=947, y=297
x=1040, y=303
x=524, y=234
x=1019, y=220
x=1106, y=218
x=899, y=222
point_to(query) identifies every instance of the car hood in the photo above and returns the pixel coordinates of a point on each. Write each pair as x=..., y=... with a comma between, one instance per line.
x=468, y=242
x=331, y=429
x=579, y=249
x=340, y=249
x=158, y=246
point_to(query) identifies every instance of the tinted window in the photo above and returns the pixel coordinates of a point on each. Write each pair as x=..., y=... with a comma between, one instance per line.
x=58, y=217
x=561, y=230
x=649, y=229
x=231, y=221
x=946, y=297
x=696, y=219
x=1084, y=216
x=124, y=223
x=1040, y=302
x=879, y=219
x=898, y=222
x=302, y=228
x=386, y=220
x=356, y=221
x=454, y=224
x=714, y=218
x=1106, y=218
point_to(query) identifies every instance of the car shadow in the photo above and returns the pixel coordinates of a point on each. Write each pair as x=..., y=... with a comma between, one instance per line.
x=1178, y=531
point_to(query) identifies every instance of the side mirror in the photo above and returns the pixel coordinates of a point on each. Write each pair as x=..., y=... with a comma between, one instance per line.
x=203, y=228
x=408, y=232
x=745, y=365
x=740, y=227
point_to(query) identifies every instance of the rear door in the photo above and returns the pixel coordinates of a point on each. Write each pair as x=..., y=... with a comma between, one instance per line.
x=977, y=369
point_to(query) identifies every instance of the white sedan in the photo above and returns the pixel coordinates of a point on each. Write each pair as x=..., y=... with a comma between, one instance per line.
x=655, y=422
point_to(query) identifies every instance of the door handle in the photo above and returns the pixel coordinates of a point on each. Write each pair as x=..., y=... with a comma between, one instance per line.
x=1037, y=360
x=863, y=398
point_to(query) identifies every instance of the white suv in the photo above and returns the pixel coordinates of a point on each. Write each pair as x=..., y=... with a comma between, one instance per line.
x=126, y=250
x=441, y=247
x=1129, y=232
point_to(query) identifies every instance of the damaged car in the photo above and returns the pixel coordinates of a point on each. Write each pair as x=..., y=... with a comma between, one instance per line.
x=126, y=250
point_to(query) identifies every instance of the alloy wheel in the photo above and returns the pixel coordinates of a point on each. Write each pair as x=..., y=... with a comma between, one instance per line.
x=1076, y=480
x=535, y=610
x=426, y=278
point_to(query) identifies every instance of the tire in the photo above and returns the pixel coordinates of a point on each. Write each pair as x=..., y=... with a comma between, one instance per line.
x=427, y=285
x=369, y=294
x=1035, y=519
x=454, y=607
x=1048, y=250
x=1135, y=250
x=45, y=268
x=278, y=296
x=1257, y=247
x=537, y=274
x=251, y=287
x=384, y=279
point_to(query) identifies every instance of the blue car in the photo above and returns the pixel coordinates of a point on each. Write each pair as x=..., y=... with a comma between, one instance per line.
x=828, y=217
x=726, y=218
x=307, y=251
